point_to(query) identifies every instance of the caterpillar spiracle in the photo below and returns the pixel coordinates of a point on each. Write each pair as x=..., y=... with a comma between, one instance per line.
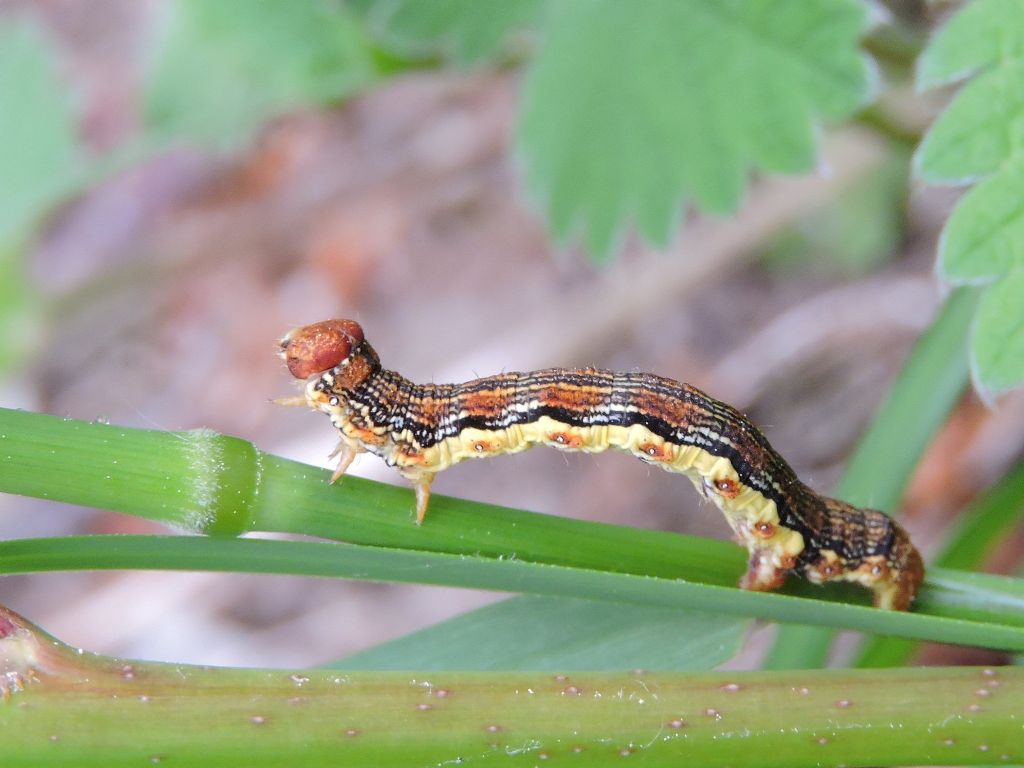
x=422, y=429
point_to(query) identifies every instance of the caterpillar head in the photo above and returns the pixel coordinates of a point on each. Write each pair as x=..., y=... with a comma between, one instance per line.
x=314, y=349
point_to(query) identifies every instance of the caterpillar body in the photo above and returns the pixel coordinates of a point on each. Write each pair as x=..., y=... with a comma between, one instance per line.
x=422, y=429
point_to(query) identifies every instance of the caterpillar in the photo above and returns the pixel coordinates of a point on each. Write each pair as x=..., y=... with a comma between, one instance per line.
x=422, y=429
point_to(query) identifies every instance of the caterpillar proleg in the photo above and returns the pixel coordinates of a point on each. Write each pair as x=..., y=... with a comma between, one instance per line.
x=422, y=429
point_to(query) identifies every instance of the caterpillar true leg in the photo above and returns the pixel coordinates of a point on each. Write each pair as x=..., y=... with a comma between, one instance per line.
x=424, y=428
x=299, y=400
x=346, y=453
x=422, y=485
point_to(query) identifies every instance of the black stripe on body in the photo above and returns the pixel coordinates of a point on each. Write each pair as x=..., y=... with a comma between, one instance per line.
x=393, y=402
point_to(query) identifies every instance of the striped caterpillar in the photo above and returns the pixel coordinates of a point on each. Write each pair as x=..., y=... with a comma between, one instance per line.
x=422, y=429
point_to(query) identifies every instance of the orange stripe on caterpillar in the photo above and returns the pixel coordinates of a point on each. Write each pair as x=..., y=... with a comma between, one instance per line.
x=421, y=429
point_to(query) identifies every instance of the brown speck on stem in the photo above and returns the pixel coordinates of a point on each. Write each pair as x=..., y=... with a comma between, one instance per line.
x=352, y=732
x=711, y=712
x=974, y=708
x=493, y=728
x=257, y=719
x=572, y=690
x=676, y=724
x=441, y=693
x=983, y=692
x=730, y=687
x=625, y=752
x=128, y=672
x=423, y=707
x=844, y=703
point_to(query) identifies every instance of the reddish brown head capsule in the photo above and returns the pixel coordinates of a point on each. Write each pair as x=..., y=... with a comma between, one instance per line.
x=319, y=347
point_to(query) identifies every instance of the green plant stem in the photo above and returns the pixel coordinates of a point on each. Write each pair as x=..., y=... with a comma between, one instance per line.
x=66, y=707
x=209, y=483
x=961, y=608
x=220, y=484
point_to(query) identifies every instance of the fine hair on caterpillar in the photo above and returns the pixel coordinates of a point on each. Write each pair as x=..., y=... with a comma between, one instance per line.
x=421, y=429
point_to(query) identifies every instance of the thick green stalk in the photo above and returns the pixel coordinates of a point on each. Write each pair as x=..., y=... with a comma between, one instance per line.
x=68, y=708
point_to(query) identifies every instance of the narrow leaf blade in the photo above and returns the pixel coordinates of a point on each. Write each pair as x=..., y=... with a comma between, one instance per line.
x=563, y=635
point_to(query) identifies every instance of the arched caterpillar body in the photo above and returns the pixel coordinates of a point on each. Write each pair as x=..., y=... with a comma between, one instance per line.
x=422, y=429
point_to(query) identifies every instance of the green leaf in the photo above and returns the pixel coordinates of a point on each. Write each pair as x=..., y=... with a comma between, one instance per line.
x=983, y=239
x=40, y=157
x=631, y=108
x=980, y=136
x=223, y=68
x=468, y=31
x=982, y=35
x=557, y=634
x=980, y=130
x=998, y=337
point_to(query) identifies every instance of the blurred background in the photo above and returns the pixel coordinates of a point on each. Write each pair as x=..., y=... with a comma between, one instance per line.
x=180, y=208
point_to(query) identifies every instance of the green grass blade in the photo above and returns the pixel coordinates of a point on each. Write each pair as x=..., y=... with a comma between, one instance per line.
x=979, y=529
x=975, y=535
x=200, y=481
x=920, y=400
x=931, y=382
x=225, y=485
x=994, y=605
x=562, y=635
x=209, y=483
